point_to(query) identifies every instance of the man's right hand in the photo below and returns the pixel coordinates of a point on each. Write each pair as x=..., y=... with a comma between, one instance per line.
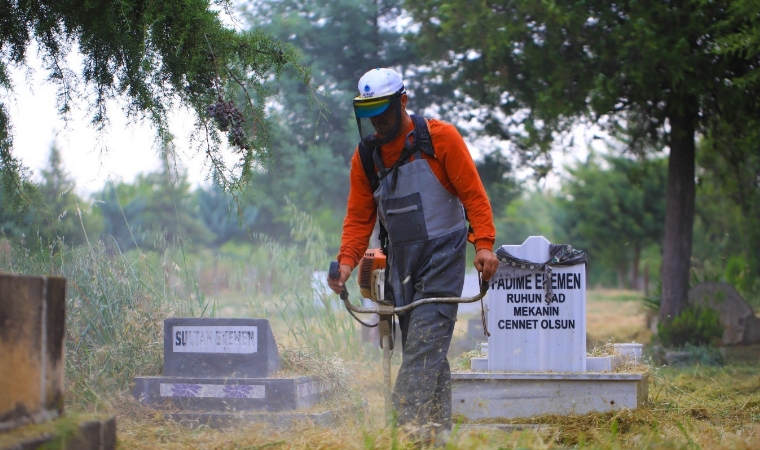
x=338, y=285
x=486, y=263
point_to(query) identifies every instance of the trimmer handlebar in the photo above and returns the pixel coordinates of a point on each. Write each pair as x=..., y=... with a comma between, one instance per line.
x=422, y=301
x=334, y=273
x=385, y=312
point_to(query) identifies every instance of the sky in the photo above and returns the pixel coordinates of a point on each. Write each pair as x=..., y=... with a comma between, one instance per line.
x=123, y=151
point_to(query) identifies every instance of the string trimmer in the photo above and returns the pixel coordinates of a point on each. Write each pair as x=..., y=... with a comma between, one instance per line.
x=371, y=280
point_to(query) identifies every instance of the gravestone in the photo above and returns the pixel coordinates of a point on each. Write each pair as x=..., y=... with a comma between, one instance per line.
x=219, y=373
x=32, y=321
x=235, y=348
x=531, y=332
x=32, y=331
x=740, y=325
x=536, y=359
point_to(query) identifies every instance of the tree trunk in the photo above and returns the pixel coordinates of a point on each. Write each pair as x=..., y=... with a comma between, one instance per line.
x=679, y=213
x=646, y=280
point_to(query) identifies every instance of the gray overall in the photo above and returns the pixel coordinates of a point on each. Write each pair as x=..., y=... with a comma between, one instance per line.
x=427, y=237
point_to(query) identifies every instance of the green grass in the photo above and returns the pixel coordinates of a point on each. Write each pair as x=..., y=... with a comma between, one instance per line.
x=116, y=304
x=292, y=294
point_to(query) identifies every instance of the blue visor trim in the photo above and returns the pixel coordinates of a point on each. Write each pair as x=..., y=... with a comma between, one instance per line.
x=370, y=108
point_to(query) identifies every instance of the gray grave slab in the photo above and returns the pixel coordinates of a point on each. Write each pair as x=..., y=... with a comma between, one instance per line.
x=478, y=396
x=599, y=363
x=736, y=314
x=229, y=420
x=231, y=394
x=479, y=364
x=219, y=348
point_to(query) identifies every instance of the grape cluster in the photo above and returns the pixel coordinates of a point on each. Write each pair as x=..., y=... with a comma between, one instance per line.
x=228, y=118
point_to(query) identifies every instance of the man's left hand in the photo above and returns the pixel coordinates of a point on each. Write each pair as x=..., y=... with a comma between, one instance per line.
x=486, y=263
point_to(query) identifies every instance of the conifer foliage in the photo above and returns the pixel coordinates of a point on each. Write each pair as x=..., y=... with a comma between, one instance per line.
x=152, y=56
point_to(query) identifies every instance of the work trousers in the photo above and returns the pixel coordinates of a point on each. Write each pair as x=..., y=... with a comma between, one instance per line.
x=422, y=393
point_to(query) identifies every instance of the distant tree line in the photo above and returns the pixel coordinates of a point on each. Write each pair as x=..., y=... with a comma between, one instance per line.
x=674, y=84
x=610, y=206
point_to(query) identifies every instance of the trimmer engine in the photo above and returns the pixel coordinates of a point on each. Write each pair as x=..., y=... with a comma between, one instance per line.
x=372, y=275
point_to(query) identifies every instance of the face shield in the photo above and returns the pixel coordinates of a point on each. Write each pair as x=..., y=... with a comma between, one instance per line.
x=379, y=118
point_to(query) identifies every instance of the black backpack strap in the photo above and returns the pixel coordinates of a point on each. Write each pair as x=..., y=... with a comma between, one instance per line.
x=422, y=135
x=367, y=156
x=368, y=163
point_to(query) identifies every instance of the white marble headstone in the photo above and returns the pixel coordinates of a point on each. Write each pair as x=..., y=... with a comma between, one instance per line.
x=527, y=334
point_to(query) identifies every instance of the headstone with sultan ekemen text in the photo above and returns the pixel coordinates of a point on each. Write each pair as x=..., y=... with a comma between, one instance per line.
x=219, y=348
x=217, y=373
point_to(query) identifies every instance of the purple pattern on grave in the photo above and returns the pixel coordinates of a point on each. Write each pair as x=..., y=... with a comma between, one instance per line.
x=237, y=391
x=186, y=390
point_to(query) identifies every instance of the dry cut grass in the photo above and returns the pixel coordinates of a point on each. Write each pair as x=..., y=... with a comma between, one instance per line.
x=697, y=407
x=616, y=315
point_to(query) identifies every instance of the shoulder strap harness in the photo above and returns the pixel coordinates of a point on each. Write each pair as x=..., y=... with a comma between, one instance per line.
x=375, y=170
x=372, y=163
x=370, y=155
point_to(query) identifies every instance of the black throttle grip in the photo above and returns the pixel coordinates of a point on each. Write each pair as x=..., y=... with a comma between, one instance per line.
x=334, y=274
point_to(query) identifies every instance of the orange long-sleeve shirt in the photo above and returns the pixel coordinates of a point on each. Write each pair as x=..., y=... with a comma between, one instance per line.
x=454, y=168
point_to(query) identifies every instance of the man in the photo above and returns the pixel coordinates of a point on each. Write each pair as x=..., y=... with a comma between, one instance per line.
x=420, y=195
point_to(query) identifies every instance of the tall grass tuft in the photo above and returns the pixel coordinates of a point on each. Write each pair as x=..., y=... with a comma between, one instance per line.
x=297, y=293
x=116, y=303
x=115, y=307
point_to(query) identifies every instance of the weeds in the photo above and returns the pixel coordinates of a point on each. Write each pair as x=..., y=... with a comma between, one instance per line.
x=314, y=316
x=115, y=307
x=329, y=370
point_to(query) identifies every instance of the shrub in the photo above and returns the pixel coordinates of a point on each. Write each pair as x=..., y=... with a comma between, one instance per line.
x=695, y=325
